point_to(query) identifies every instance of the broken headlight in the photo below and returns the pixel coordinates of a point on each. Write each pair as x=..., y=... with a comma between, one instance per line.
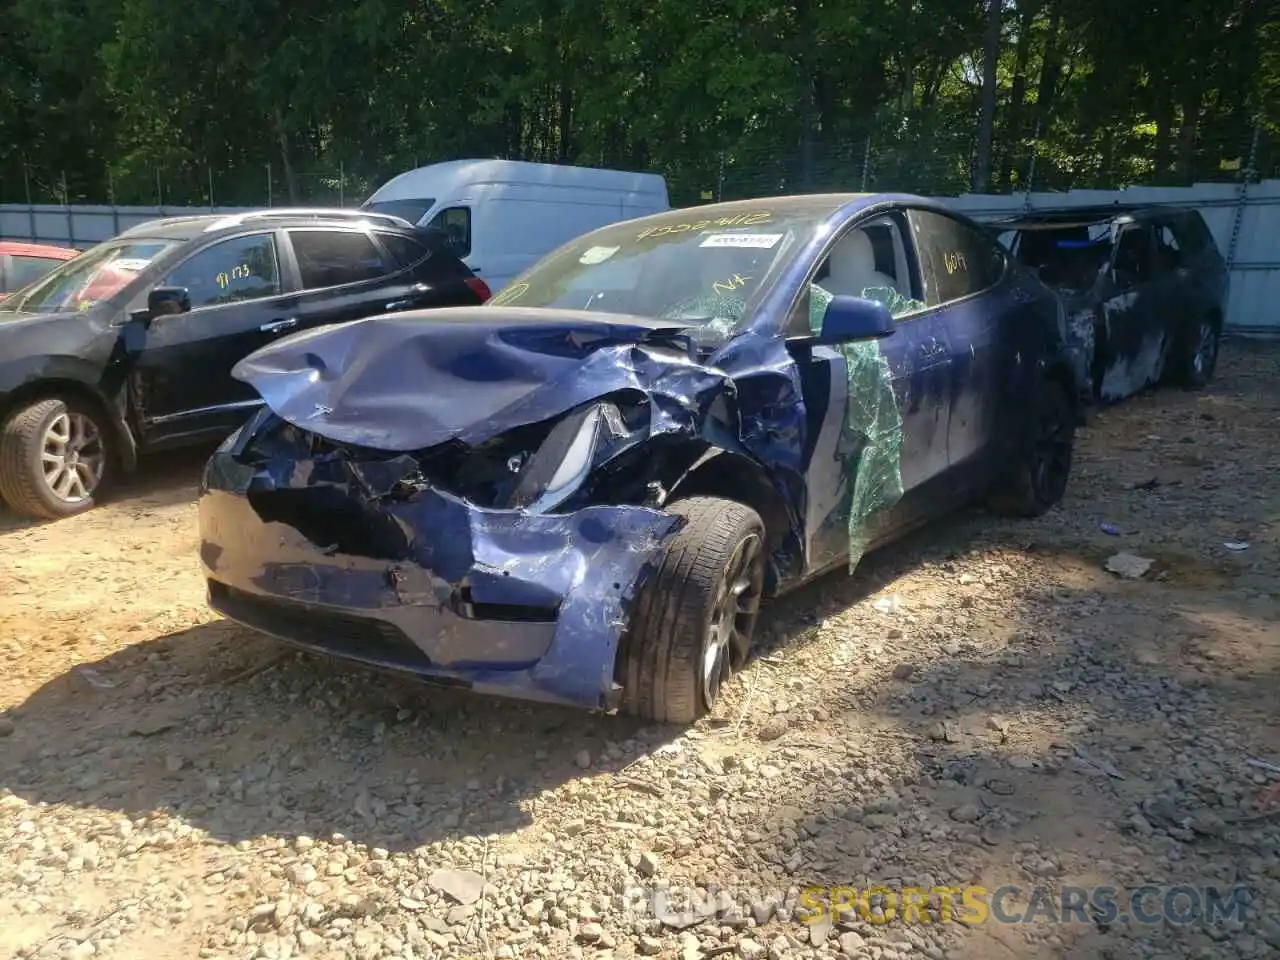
x=566, y=457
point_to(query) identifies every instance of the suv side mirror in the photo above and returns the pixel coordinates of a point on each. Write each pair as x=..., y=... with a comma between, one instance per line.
x=166, y=301
x=854, y=318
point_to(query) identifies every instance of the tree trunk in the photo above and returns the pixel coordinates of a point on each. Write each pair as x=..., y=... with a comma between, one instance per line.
x=290, y=177
x=1187, y=134
x=1164, y=133
x=987, y=110
x=1017, y=96
x=1050, y=68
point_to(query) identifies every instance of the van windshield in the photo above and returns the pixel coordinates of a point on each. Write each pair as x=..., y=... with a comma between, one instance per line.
x=412, y=210
x=703, y=266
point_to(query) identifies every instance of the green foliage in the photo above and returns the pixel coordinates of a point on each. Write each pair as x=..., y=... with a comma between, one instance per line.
x=141, y=100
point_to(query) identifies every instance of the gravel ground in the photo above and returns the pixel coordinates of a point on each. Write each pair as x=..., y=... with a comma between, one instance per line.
x=982, y=704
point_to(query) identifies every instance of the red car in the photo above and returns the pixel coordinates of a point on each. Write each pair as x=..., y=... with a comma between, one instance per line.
x=21, y=263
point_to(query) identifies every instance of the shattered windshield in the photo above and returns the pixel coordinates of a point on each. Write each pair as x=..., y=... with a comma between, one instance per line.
x=90, y=278
x=701, y=266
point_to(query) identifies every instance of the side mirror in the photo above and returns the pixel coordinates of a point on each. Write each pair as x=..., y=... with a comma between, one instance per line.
x=854, y=318
x=166, y=301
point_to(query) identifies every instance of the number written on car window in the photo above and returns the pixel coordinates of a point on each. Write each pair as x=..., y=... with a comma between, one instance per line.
x=243, y=268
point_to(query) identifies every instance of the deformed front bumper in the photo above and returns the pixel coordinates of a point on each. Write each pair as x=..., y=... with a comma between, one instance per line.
x=501, y=602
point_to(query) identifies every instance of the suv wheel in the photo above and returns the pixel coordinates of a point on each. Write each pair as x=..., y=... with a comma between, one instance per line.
x=1195, y=354
x=54, y=456
x=693, y=619
x=1039, y=477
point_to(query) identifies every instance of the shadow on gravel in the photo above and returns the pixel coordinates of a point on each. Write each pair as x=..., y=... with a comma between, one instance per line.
x=243, y=737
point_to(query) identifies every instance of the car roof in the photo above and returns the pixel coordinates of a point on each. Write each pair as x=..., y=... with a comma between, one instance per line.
x=188, y=228
x=16, y=249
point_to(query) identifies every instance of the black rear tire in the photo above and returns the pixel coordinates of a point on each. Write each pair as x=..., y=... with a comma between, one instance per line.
x=1195, y=354
x=694, y=618
x=31, y=436
x=1039, y=477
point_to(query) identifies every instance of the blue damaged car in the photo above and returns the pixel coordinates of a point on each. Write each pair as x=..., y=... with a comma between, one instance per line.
x=580, y=492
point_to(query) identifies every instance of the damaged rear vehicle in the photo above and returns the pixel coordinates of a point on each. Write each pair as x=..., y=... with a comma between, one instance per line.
x=581, y=492
x=1144, y=290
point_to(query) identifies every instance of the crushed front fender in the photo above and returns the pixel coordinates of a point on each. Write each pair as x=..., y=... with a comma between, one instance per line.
x=499, y=601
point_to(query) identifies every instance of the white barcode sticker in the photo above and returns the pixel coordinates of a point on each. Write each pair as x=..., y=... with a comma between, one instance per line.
x=762, y=241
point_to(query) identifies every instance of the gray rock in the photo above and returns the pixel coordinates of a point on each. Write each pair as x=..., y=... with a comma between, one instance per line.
x=852, y=943
x=648, y=865
x=966, y=813
x=773, y=727
x=463, y=886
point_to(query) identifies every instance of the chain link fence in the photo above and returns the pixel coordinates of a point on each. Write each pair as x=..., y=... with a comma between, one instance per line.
x=938, y=161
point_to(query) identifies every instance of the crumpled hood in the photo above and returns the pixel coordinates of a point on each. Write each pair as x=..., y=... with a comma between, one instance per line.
x=410, y=381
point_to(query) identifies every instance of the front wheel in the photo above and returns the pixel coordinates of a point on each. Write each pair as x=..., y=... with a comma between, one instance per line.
x=1039, y=476
x=694, y=618
x=54, y=457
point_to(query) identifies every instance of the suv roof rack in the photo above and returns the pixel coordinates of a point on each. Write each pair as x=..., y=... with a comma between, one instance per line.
x=306, y=213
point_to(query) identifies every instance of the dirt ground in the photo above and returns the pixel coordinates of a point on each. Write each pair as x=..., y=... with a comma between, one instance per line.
x=982, y=704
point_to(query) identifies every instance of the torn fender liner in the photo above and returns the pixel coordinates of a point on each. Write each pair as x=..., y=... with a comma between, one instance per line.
x=412, y=381
x=507, y=602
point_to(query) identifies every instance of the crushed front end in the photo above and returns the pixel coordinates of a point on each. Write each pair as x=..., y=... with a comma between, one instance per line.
x=492, y=567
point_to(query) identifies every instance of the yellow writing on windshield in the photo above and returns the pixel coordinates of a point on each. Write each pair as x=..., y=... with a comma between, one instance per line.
x=742, y=220
x=736, y=282
x=239, y=272
x=513, y=292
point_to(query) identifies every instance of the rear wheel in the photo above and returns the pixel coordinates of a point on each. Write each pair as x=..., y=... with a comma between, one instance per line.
x=1038, y=479
x=694, y=618
x=1195, y=354
x=54, y=457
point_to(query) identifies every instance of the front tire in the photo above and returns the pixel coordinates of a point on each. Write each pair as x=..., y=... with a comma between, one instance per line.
x=54, y=456
x=695, y=616
x=1039, y=477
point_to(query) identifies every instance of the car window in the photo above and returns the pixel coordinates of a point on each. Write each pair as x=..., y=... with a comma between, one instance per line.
x=84, y=281
x=956, y=260
x=404, y=251
x=412, y=210
x=231, y=271
x=331, y=258
x=1168, y=250
x=1132, y=260
x=24, y=269
x=456, y=223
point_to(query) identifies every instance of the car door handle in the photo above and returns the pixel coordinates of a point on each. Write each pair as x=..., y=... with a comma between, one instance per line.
x=418, y=290
x=275, y=326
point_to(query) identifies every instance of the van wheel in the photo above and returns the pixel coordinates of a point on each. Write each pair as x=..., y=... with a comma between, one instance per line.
x=54, y=457
x=1195, y=354
x=1038, y=479
x=695, y=616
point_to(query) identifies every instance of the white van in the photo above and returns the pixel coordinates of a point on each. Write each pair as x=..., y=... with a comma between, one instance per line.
x=502, y=215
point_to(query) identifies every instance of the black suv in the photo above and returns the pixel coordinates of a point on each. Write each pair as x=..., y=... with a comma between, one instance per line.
x=1144, y=290
x=129, y=347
